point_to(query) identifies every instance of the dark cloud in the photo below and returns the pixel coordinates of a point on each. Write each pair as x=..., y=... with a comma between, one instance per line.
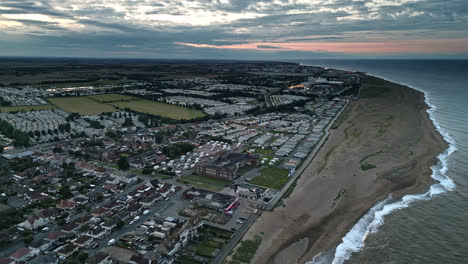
x=97, y=27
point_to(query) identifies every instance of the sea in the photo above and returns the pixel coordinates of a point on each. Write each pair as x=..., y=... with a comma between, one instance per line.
x=432, y=226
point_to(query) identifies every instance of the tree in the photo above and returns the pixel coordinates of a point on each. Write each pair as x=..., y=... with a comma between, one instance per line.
x=123, y=163
x=28, y=239
x=65, y=192
x=82, y=256
x=120, y=224
x=128, y=122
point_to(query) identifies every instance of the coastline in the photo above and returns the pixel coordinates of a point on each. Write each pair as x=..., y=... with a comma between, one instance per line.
x=390, y=129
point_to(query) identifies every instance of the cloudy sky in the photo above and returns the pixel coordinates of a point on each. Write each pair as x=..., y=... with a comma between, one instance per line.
x=235, y=29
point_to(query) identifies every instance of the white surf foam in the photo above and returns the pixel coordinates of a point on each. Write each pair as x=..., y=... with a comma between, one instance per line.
x=354, y=240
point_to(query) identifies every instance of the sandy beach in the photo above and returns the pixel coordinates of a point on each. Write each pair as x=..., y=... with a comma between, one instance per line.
x=384, y=143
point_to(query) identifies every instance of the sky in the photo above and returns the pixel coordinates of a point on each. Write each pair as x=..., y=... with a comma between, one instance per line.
x=235, y=29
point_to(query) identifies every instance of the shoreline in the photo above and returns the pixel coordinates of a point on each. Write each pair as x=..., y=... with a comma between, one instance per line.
x=322, y=227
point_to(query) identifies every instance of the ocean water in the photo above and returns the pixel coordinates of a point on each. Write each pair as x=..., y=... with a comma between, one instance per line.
x=430, y=227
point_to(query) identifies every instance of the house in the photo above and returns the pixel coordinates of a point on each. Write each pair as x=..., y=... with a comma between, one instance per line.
x=66, y=205
x=124, y=199
x=109, y=224
x=137, y=259
x=150, y=200
x=51, y=213
x=99, y=258
x=123, y=215
x=125, y=178
x=153, y=184
x=134, y=209
x=7, y=261
x=9, y=235
x=100, y=211
x=53, y=236
x=23, y=254
x=70, y=228
x=81, y=200
x=34, y=196
x=66, y=250
x=82, y=241
x=97, y=232
x=33, y=222
x=83, y=219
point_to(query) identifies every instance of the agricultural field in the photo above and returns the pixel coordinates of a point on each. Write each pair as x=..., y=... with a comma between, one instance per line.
x=160, y=109
x=102, y=98
x=25, y=108
x=81, y=105
x=274, y=178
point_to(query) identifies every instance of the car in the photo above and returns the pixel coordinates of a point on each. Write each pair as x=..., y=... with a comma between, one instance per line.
x=233, y=229
x=111, y=242
x=239, y=222
x=95, y=245
x=242, y=218
x=146, y=212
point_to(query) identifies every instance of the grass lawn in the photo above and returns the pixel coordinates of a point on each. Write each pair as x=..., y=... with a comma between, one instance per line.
x=204, y=250
x=25, y=108
x=208, y=180
x=187, y=260
x=160, y=176
x=160, y=109
x=211, y=187
x=264, y=151
x=111, y=97
x=273, y=178
x=243, y=170
x=81, y=105
x=246, y=250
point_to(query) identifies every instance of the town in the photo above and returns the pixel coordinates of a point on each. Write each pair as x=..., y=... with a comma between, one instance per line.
x=172, y=169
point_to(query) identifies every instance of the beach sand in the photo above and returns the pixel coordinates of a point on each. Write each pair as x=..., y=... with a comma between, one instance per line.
x=387, y=127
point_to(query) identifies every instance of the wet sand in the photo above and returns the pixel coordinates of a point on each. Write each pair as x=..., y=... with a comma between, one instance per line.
x=387, y=127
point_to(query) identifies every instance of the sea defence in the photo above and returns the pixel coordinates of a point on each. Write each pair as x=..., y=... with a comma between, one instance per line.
x=384, y=143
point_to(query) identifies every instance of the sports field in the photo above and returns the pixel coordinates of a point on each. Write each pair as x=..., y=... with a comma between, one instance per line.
x=160, y=109
x=25, y=108
x=111, y=97
x=81, y=105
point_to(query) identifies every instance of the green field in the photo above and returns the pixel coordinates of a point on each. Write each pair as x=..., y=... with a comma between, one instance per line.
x=207, y=186
x=25, y=108
x=274, y=178
x=81, y=105
x=111, y=97
x=96, y=104
x=160, y=109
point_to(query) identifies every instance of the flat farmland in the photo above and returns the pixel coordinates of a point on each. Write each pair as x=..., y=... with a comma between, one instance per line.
x=160, y=109
x=111, y=97
x=25, y=108
x=81, y=105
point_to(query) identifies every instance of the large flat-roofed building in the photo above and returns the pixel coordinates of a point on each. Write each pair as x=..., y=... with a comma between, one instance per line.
x=212, y=200
x=226, y=167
